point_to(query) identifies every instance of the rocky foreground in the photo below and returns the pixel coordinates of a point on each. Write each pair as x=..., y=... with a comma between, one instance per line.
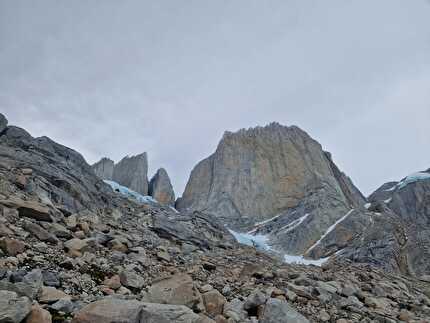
x=72, y=250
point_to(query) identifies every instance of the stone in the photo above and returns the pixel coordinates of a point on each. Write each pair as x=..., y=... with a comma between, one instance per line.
x=12, y=247
x=214, y=302
x=13, y=309
x=38, y=315
x=76, y=245
x=178, y=289
x=51, y=278
x=163, y=255
x=104, y=168
x=71, y=221
x=254, y=300
x=132, y=172
x=39, y=232
x=60, y=231
x=112, y=310
x=277, y=311
x=131, y=279
x=64, y=305
x=114, y=282
x=161, y=189
x=234, y=310
x=51, y=295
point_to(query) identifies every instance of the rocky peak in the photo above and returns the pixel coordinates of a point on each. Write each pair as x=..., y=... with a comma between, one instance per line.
x=161, y=189
x=104, y=168
x=272, y=172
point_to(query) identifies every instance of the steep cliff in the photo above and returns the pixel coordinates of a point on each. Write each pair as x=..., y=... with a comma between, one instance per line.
x=275, y=181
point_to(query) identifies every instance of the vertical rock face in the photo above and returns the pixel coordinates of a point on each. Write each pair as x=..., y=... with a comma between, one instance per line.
x=3, y=123
x=132, y=172
x=104, y=168
x=269, y=178
x=160, y=188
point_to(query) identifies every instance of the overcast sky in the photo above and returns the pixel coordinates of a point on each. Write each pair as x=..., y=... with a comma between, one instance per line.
x=111, y=78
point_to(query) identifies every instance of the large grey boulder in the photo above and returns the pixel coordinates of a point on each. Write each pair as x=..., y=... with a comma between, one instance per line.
x=104, y=168
x=112, y=310
x=275, y=180
x=161, y=189
x=277, y=311
x=13, y=309
x=3, y=123
x=132, y=172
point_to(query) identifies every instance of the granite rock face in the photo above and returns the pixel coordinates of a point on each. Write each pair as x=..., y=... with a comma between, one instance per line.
x=3, y=123
x=104, y=168
x=273, y=180
x=392, y=232
x=161, y=189
x=132, y=172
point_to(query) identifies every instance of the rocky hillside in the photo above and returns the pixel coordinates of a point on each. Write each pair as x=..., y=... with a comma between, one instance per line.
x=74, y=250
x=274, y=181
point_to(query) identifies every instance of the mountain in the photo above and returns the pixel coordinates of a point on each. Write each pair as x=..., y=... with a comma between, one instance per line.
x=274, y=181
x=72, y=249
x=161, y=189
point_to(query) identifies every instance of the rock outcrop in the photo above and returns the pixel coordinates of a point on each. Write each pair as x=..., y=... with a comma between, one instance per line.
x=131, y=172
x=393, y=232
x=104, y=168
x=161, y=189
x=274, y=180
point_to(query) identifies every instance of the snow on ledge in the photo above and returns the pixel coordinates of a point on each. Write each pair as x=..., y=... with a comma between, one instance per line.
x=330, y=229
x=261, y=242
x=125, y=191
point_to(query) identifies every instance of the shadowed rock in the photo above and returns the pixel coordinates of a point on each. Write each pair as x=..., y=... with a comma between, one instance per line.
x=160, y=188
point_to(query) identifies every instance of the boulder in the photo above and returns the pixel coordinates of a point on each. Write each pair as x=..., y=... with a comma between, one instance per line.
x=39, y=232
x=113, y=310
x=177, y=290
x=130, y=279
x=13, y=309
x=214, y=302
x=38, y=315
x=51, y=295
x=11, y=247
x=278, y=311
x=161, y=189
x=110, y=310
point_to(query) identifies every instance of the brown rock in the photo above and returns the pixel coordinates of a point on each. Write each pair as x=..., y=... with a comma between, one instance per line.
x=50, y=295
x=214, y=302
x=178, y=289
x=11, y=247
x=114, y=282
x=38, y=315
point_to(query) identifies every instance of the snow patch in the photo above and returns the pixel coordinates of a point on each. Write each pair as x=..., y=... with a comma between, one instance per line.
x=330, y=229
x=413, y=178
x=266, y=221
x=289, y=259
x=388, y=200
x=125, y=191
x=367, y=205
x=258, y=240
x=291, y=226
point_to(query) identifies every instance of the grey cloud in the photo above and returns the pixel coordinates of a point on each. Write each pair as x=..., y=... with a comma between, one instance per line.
x=168, y=77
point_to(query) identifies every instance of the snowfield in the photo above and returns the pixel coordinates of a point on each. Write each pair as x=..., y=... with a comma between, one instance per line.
x=125, y=191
